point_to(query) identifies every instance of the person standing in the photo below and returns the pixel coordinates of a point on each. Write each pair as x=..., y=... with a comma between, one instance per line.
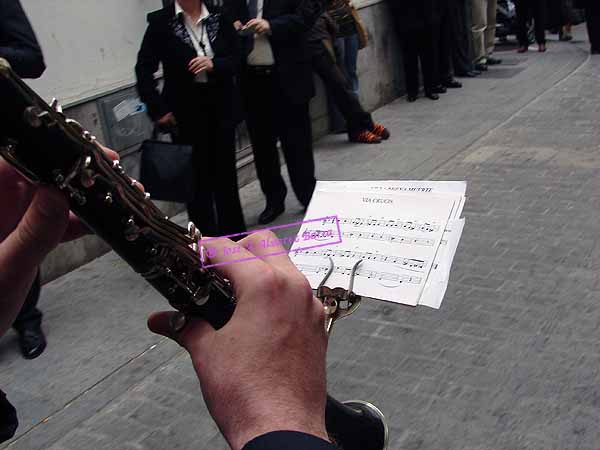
x=592, y=17
x=538, y=9
x=461, y=41
x=200, y=54
x=277, y=86
x=19, y=46
x=346, y=46
x=445, y=72
x=484, y=33
x=415, y=22
x=361, y=127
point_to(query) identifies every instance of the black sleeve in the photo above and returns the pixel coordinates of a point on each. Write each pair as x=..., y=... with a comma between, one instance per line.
x=18, y=44
x=8, y=419
x=230, y=63
x=235, y=10
x=300, y=21
x=288, y=440
x=147, y=65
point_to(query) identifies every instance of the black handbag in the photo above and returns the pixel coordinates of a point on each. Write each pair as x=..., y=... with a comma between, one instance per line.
x=166, y=171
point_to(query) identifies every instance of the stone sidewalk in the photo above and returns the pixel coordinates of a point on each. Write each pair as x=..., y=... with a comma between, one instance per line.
x=510, y=362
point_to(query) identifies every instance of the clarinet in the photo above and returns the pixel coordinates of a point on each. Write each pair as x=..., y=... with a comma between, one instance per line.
x=48, y=148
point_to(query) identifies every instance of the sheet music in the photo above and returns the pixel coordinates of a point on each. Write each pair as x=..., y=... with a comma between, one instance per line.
x=443, y=262
x=392, y=233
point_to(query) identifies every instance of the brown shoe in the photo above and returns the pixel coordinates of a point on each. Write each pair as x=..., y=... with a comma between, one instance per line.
x=522, y=49
x=542, y=48
x=365, y=137
x=380, y=131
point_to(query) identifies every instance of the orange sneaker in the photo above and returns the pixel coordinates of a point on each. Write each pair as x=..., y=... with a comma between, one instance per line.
x=381, y=131
x=365, y=137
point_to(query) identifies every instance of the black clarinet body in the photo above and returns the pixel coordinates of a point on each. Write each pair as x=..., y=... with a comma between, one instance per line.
x=48, y=148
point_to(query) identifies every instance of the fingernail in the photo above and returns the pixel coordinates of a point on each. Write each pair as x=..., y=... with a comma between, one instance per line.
x=178, y=322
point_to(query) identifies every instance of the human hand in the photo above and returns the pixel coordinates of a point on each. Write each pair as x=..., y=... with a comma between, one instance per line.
x=33, y=220
x=238, y=25
x=167, y=122
x=201, y=64
x=265, y=370
x=258, y=26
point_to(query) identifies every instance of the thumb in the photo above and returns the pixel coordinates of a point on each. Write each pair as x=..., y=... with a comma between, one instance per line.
x=189, y=332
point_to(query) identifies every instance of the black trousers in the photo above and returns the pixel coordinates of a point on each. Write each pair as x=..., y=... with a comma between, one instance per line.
x=216, y=209
x=443, y=48
x=339, y=88
x=419, y=45
x=592, y=17
x=30, y=316
x=538, y=9
x=271, y=116
x=461, y=43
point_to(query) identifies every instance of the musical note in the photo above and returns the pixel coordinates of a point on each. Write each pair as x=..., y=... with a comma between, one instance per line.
x=407, y=263
x=423, y=227
x=370, y=274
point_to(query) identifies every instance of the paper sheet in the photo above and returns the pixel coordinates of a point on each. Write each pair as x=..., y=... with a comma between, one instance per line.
x=396, y=235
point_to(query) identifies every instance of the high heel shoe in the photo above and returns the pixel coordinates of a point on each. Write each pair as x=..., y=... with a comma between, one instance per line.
x=522, y=49
x=542, y=48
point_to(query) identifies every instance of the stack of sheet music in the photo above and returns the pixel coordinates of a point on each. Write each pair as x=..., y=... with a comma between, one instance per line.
x=405, y=233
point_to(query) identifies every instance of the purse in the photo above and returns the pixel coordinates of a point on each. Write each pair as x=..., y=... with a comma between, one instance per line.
x=166, y=170
x=363, y=35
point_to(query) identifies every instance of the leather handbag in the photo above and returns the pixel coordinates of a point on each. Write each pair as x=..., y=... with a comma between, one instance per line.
x=166, y=170
x=361, y=30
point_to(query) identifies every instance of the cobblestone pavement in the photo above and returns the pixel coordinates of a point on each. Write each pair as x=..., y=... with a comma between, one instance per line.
x=510, y=362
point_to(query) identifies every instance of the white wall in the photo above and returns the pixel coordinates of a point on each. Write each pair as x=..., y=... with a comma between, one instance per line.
x=90, y=46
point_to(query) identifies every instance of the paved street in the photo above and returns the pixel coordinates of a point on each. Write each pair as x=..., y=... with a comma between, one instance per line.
x=510, y=362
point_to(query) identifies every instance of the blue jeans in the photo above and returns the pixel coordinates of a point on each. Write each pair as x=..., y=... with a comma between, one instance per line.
x=346, y=53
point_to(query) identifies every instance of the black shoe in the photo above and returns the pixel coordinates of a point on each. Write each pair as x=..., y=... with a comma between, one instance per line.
x=32, y=342
x=452, y=84
x=439, y=89
x=410, y=98
x=469, y=74
x=432, y=96
x=270, y=214
x=481, y=67
x=493, y=61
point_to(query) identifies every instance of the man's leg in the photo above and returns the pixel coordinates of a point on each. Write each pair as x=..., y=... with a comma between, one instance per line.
x=428, y=54
x=461, y=37
x=295, y=132
x=592, y=16
x=479, y=16
x=258, y=92
x=410, y=56
x=444, y=49
x=351, y=61
x=28, y=323
x=522, y=7
x=540, y=18
x=337, y=122
x=490, y=30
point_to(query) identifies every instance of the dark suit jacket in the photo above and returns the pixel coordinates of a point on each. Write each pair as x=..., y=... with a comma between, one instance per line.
x=412, y=15
x=166, y=41
x=18, y=44
x=290, y=21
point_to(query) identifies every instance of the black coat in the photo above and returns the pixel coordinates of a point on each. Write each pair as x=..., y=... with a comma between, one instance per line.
x=18, y=44
x=290, y=22
x=166, y=41
x=411, y=15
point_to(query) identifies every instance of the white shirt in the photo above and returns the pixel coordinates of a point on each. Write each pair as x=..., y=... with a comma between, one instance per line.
x=198, y=34
x=262, y=53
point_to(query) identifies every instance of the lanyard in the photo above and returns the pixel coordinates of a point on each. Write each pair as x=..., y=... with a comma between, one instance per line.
x=200, y=41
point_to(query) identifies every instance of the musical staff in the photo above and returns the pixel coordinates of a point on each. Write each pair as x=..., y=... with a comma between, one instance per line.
x=406, y=225
x=407, y=263
x=370, y=274
x=392, y=238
